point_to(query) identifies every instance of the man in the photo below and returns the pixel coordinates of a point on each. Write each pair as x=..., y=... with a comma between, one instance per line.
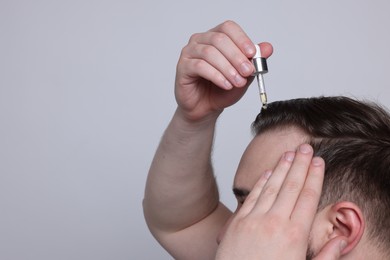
x=353, y=138
x=181, y=202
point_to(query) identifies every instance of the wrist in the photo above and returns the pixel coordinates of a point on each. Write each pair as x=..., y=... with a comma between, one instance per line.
x=194, y=123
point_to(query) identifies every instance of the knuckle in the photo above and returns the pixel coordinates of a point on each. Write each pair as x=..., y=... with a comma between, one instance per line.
x=292, y=186
x=228, y=24
x=207, y=51
x=250, y=200
x=270, y=191
x=194, y=37
x=218, y=38
x=309, y=193
x=198, y=64
x=185, y=50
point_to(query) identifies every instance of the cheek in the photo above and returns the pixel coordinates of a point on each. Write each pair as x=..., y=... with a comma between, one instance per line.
x=226, y=226
x=318, y=234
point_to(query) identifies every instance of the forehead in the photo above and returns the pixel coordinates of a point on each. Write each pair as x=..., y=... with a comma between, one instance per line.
x=264, y=152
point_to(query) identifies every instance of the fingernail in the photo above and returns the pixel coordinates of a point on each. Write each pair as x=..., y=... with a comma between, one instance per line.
x=246, y=68
x=267, y=174
x=239, y=80
x=317, y=161
x=228, y=85
x=289, y=156
x=249, y=50
x=305, y=148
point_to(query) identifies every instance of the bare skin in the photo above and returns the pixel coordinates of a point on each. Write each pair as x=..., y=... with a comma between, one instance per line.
x=276, y=218
x=181, y=204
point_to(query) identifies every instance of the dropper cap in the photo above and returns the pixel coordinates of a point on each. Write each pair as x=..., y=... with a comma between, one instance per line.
x=261, y=68
x=259, y=62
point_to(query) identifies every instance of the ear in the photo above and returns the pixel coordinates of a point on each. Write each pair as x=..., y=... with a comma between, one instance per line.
x=348, y=222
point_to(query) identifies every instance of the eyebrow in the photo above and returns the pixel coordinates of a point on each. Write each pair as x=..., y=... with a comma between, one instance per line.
x=241, y=193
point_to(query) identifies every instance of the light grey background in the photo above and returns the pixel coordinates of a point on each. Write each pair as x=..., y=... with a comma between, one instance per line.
x=86, y=90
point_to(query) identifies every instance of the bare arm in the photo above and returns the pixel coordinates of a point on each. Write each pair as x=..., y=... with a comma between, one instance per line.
x=181, y=199
x=181, y=204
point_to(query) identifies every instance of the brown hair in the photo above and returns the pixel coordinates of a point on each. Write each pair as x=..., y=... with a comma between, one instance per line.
x=353, y=137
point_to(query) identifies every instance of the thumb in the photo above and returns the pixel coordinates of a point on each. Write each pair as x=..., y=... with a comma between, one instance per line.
x=266, y=49
x=332, y=250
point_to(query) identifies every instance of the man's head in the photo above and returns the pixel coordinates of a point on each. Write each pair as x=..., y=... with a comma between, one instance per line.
x=354, y=140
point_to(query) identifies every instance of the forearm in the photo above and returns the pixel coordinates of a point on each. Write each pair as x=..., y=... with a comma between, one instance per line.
x=181, y=189
x=181, y=204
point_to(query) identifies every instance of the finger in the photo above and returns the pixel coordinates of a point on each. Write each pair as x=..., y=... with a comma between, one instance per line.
x=230, y=50
x=218, y=57
x=294, y=181
x=307, y=203
x=271, y=189
x=200, y=68
x=251, y=200
x=266, y=49
x=241, y=39
x=238, y=36
x=332, y=250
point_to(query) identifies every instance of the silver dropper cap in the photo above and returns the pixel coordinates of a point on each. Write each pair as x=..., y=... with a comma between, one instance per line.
x=261, y=68
x=260, y=64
